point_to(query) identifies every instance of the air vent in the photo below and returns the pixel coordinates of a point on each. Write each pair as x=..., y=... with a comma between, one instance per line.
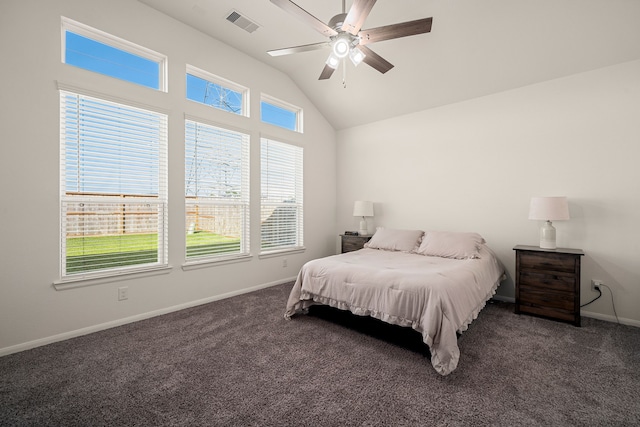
x=242, y=21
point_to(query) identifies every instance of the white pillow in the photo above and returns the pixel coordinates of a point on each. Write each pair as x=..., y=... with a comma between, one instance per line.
x=451, y=244
x=395, y=240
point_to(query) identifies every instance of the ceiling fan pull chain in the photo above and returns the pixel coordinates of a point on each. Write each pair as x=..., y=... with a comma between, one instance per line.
x=344, y=73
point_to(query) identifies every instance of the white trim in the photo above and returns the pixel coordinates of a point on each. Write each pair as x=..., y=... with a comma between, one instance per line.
x=116, y=42
x=76, y=90
x=83, y=280
x=209, y=262
x=119, y=322
x=609, y=318
x=279, y=252
x=225, y=126
x=115, y=323
x=271, y=137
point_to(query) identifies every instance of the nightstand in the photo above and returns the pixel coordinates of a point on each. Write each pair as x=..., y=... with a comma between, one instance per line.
x=353, y=243
x=548, y=282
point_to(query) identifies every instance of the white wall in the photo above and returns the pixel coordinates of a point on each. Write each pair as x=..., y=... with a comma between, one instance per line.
x=32, y=312
x=473, y=166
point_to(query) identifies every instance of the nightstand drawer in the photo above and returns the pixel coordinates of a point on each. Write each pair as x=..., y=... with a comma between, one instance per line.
x=553, y=313
x=353, y=243
x=530, y=295
x=547, y=261
x=556, y=282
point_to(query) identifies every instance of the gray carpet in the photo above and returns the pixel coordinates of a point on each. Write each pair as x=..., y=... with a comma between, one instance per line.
x=237, y=362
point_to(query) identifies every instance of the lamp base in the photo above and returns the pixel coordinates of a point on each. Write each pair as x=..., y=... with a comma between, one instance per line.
x=364, y=230
x=548, y=236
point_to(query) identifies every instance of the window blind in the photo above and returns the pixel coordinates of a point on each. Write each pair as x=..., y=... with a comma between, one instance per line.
x=113, y=187
x=216, y=191
x=281, y=195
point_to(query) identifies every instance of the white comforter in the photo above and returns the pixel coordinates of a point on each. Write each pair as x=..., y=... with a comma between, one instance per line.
x=435, y=296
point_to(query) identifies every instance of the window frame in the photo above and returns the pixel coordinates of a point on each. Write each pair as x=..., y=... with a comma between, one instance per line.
x=117, y=43
x=298, y=111
x=225, y=83
x=93, y=276
x=299, y=196
x=244, y=200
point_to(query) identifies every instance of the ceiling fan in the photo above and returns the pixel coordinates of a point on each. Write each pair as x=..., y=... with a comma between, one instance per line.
x=346, y=37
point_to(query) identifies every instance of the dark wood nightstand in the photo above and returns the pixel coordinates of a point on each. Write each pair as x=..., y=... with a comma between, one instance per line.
x=353, y=243
x=548, y=282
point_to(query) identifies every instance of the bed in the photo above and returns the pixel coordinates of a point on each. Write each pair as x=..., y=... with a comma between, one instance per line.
x=433, y=282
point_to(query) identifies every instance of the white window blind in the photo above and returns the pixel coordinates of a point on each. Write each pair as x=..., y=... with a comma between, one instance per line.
x=216, y=191
x=281, y=196
x=113, y=187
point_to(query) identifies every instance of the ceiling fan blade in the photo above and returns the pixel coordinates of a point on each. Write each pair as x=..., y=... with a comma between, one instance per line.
x=299, y=49
x=357, y=15
x=394, y=31
x=374, y=60
x=295, y=10
x=326, y=73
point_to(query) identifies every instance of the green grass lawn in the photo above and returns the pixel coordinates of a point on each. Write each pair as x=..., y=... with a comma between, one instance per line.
x=102, y=245
x=100, y=252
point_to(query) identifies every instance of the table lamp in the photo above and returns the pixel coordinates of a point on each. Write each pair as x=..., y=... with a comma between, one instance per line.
x=548, y=209
x=363, y=209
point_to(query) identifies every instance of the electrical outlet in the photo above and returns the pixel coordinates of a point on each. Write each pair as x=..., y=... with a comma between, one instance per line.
x=284, y=263
x=123, y=293
x=595, y=284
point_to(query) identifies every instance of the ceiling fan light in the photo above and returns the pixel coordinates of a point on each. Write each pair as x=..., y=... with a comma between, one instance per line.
x=356, y=56
x=333, y=61
x=341, y=47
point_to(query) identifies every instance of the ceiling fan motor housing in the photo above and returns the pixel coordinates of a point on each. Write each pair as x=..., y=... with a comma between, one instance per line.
x=337, y=21
x=344, y=41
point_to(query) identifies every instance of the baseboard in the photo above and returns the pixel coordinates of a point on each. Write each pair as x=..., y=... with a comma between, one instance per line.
x=609, y=318
x=115, y=323
x=119, y=322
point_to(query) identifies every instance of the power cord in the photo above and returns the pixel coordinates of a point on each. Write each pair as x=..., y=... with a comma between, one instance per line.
x=599, y=295
x=613, y=304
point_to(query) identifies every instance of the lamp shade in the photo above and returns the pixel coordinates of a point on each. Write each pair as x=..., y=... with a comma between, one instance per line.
x=549, y=208
x=363, y=208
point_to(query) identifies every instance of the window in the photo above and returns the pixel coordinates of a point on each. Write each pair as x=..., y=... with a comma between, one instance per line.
x=281, y=200
x=279, y=113
x=216, y=191
x=217, y=92
x=96, y=51
x=113, y=187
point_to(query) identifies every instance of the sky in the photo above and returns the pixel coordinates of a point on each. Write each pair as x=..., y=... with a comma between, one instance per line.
x=101, y=58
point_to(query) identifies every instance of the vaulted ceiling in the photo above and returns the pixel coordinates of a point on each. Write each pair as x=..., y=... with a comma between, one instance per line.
x=475, y=48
